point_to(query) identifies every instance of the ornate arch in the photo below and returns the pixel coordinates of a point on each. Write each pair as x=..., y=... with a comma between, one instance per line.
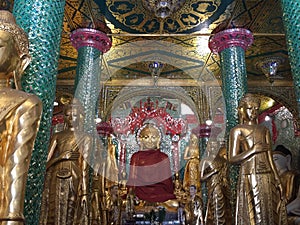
x=128, y=93
x=283, y=95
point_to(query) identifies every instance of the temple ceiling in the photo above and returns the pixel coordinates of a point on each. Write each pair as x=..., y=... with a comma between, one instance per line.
x=179, y=41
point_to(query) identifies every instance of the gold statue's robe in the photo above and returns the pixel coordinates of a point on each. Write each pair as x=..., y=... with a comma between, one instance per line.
x=218, y=204
x=19, y=121
x=64, y=181
x=258, y=197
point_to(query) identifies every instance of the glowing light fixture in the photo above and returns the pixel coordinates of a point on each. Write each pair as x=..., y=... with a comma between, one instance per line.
x=269, y=66
x=163, y=8
x=155, y=68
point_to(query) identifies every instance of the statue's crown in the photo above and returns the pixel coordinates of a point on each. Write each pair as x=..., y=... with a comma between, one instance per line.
x=7, y=17
x=8, y=24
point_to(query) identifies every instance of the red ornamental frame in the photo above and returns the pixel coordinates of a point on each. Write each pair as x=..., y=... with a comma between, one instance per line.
x=145, y=112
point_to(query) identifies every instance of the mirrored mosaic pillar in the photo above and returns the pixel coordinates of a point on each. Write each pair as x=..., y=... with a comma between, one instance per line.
x=42, y=21
x=231, y=44
x=291, y=20
x=90, y=44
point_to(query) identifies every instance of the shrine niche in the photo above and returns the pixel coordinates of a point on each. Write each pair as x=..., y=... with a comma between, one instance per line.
x=166, y=114
x=175, y=120
x=175, y=117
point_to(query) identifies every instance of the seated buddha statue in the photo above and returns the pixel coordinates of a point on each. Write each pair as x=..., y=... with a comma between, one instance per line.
x=19, y=121
x=290, y=180
x=150, y=173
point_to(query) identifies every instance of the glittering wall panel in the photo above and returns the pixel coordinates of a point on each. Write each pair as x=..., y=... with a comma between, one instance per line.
x=291, y=18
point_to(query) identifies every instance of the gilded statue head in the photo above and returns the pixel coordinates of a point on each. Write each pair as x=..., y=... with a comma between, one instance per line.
x=248, y=108
x=149, y=137
x=194, y=140
x=73, y=115
x=14, y=52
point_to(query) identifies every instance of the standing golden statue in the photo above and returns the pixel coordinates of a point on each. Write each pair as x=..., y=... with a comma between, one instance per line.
x=111, y=170
x=66, y=183
x=105, y=186
x=215, y=173
x=192, y=168
x=259, y=189
x=290, y=180
x=19, y=121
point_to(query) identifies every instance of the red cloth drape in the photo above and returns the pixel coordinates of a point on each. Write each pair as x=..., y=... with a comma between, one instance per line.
x=150, y=176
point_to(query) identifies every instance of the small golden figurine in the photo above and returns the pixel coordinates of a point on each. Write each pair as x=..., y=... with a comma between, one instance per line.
x=193, y=208
x=111, y=170
x=259, y=189
x=66, y=182
x=192, y=168
x=114, y=206
x=98, y=207
x=290, y=180
x=19, y=121
x=215, y=173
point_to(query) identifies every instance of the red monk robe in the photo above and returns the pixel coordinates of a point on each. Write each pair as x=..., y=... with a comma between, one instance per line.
x=150, y=176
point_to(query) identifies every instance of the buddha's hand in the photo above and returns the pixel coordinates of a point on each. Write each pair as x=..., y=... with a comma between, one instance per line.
x=261, y=147
x=83, y=204
x=282, y=196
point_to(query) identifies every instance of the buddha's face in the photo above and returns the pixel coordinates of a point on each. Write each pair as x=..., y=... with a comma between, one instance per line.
x=252, y=110
x=212, y=147
x=72, y=117
x=249, y=111
x=193, y=190
x=9, y=58
x=149, y=138
x=281, y=162
x=194, y=140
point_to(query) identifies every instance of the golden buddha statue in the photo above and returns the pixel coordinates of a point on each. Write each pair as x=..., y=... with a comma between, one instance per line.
x=150, y=172
x=192, y=168
x=66, y=182
x=290, y=180
x=114, y=206
x=111, y=167
x=19, y=121
x=193, y=208
x=215, y=173
x=259, y=189
x=97, y=209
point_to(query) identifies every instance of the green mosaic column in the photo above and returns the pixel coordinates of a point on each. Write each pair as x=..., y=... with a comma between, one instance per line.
x=291, y=20
x=90, y=44
x=42, y=21
x=231, y=44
